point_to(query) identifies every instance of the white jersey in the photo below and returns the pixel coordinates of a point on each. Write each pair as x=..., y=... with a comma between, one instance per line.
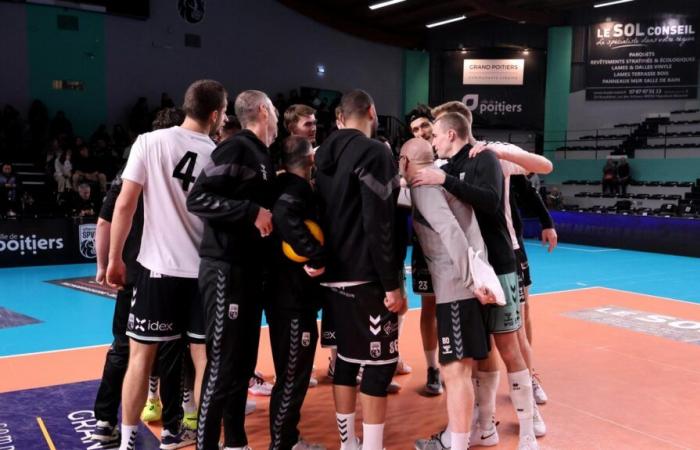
x=509, y=168
x=167, y=163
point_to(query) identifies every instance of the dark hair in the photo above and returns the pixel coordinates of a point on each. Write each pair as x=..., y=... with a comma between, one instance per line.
x=294, y=113
x=419, y=112
x=232, y=123
x=355, y=103
x=202, y=98
x=295, y=150
x=168, y=117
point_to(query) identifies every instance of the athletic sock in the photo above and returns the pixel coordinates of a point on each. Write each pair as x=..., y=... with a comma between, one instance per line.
x=475, y=411
x=460, y=441
x=128, y=437
x=372, y=436
x=485, y=396
x=346, y=430
x=188, y=405
x=521, y=396
x=446, y=437
x=152, y=387
x=431, y=358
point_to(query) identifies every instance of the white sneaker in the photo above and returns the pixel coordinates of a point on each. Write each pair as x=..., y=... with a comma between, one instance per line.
x=358, y=444
x=250, y=407
x=258, y=386
x=434, y=443
x=402, y=368
x=537, y=391
x=313, y=382
x=528, y=443
x=393, y=388
x=538, y=422
x=486, y=438
x=303, y=445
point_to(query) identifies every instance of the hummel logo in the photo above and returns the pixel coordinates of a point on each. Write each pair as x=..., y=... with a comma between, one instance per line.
x=374, y=320
x=263, y=172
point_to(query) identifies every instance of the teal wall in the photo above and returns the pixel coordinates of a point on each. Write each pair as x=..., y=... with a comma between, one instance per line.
x=642, y=169
x=556, y=100
x=55, y=54
x=416, y=79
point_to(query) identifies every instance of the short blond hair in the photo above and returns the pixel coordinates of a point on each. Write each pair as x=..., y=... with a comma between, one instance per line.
x=453, y=107
x=455, y=121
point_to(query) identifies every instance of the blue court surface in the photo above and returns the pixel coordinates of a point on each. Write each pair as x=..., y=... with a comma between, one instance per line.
x=37, y=316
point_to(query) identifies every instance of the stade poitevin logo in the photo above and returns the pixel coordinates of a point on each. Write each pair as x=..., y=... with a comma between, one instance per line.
x=191, y=10
x=86, y=232
x=491, y=106
x=28, y=245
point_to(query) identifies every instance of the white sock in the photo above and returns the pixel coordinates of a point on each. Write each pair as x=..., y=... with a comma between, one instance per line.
x=460, y=441
x=521, y=396
x=188, y=405
x=485, y=396
x=152, y=388
x=475, y=411
x=346, y=430
x=431, y=358
x=128, y=437
x=372, y=436
x=446, y=437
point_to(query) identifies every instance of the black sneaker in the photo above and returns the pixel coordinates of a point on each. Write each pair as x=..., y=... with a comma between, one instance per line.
x=106, y=433
x=169, y=441
x=434, y=384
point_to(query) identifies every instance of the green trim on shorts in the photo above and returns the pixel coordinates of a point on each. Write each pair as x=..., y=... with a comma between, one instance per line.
x=506, y=318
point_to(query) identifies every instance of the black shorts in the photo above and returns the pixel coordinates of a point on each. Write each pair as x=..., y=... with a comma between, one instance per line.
x=327, y=326
x=366, y=332
x=422, y=282
x=164, y=308
x=462, y=331
x=523, y=269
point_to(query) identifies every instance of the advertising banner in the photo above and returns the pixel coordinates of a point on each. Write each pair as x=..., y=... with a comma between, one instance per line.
x=493, y=71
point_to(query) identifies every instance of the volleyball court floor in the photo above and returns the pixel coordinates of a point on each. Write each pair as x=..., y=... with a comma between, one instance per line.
x=616, y=342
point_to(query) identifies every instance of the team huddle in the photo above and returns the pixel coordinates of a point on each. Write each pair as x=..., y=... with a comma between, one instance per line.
x=192, y=234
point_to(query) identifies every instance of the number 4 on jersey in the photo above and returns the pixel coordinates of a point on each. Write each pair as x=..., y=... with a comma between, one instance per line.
x=188, y=160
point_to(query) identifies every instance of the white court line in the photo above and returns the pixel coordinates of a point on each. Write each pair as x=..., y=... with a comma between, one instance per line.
x=54, y=351
x=564, y=247
x=650, y=295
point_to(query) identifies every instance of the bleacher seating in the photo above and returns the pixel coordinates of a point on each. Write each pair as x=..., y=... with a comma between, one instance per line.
x=664, y=199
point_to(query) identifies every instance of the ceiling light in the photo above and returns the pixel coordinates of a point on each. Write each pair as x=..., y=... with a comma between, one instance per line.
x=383, y=4
x=526, y=51
x=445, y=22
x=616, y=2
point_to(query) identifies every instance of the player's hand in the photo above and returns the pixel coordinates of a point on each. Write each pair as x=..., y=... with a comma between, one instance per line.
x=313, y=273
x=549, y=236
x=264, y=222
x=485, y=296
x=396, y=302
x=116, y=274
x=479, y=147
x=429, y=176
x=100, y=275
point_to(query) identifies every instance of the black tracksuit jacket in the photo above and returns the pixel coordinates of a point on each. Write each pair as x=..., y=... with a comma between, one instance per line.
x=358, y=186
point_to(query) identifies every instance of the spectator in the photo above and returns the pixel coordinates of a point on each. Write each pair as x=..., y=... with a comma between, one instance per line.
x=231, y=127
x=120, y=137
x=86, y=169
x=138, y=118
x=166, y=101
x=168, y=117
x=623, y=176
x=83, y=205
x=60, y=125
x=610, y=177
x=63, y=169
x=8, y=191
x=554, y=198
x=100, y=134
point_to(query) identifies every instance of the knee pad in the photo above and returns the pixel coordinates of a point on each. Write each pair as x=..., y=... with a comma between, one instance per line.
x=376, y=379
x=345, y=373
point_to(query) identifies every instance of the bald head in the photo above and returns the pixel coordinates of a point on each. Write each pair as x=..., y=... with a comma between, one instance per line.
x=418, y=151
